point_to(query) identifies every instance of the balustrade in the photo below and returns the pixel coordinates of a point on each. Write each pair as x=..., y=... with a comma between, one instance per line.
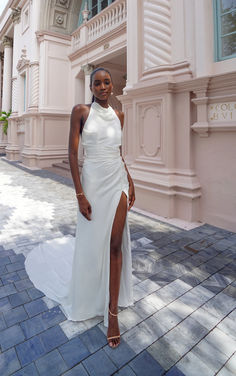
x=105, y=21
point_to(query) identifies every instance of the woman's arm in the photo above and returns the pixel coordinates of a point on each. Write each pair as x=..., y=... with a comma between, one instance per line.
x=74, y=137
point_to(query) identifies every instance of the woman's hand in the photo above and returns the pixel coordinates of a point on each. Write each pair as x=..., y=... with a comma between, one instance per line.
x=131, y=194
x=85, y=207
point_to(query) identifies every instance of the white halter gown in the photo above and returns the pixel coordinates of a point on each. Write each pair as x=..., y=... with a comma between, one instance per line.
x=76, y=272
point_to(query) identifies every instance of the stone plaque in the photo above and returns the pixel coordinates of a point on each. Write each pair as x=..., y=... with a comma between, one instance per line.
x=222, y=112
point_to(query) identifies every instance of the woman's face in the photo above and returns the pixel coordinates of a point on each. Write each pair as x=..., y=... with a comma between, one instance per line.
x=101, y=85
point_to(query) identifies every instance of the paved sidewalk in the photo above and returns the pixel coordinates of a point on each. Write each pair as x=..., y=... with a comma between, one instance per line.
x=183, y=319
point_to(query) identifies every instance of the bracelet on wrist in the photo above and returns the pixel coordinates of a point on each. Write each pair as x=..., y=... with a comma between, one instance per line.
x=80, y=194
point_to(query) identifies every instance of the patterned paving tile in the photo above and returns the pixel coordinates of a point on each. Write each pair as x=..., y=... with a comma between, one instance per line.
x=15, y=316
x=52, y=338
x=51, y=364
x=191, y=365
x=19, y=299
x=32, y=326
x=35, y=307
x=29, y=370
x=30, y=350
x=9, y=362
x=164, y=353
x=11, y=337
x=122, y=355
x=145, y=363
x=229, y=368
x=78, y=370
x=93, y=339
x=221, y=341
x=125, y=371
x=93, y=364
x=74, y=351
x=211, y=356
x=5, y=305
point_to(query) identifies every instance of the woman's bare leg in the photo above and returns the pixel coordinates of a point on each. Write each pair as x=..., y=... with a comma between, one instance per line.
x=115, y=268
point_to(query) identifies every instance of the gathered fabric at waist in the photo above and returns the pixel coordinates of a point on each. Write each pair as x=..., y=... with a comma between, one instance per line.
x=101, y=153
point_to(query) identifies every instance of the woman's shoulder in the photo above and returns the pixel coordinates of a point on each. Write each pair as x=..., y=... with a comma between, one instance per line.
x=80, y=109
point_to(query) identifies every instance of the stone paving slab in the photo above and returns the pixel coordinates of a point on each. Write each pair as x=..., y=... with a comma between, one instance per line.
x=181, y=324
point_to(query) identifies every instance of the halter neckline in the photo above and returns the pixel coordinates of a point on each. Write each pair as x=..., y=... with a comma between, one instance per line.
x=101, y=108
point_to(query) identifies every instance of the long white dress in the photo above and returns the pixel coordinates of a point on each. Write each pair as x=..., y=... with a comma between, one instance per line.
x=76, y=272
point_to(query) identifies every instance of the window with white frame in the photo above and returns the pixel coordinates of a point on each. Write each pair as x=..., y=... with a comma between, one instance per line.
x=94, y=6
x=225, y=29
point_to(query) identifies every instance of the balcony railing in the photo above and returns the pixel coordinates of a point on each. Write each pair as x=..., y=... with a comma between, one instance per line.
x=105, y=21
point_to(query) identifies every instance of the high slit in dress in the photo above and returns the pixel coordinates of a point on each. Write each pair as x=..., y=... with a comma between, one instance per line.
x=76, y=272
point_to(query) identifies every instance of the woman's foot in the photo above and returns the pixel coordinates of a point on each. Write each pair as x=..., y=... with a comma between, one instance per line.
x=113, y=332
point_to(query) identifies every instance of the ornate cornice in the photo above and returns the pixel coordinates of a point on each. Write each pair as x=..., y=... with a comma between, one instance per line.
x=7, y=41
x=15, y=15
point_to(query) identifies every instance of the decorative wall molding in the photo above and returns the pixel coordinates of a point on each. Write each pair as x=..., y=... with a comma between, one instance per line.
x=145, y=112
x=43, y=35
x=60, y=15
x=23, y=62
x=63, y=3
x=60, y=19
x=218, y=91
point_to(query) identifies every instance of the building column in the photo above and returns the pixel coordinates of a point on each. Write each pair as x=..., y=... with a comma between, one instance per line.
x=6, y=87
x=1, y=76
x=87, y=69
x=15, y=16
x=7, y=71
x=13, y=147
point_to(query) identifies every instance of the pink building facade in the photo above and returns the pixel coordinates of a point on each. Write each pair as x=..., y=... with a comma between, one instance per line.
x=173, y=64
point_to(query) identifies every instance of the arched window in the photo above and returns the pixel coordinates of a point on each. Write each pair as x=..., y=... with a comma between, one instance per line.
x=225, y=29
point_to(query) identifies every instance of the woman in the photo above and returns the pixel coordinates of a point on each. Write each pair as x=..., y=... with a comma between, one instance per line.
x=104, y=190
x=92, y=275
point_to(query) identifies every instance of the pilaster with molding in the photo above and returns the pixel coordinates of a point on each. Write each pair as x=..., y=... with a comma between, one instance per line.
x=158, y=159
